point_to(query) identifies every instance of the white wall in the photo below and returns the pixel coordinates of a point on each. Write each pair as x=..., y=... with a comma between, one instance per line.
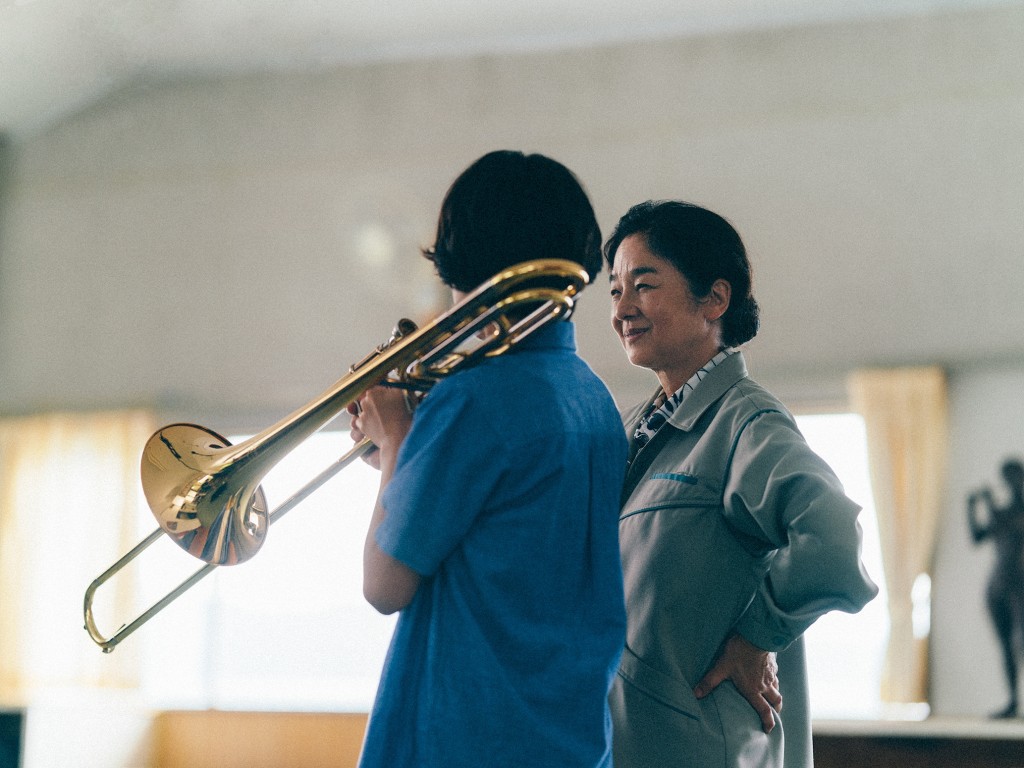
x=200, y=242
x=94, y=729
x=223, y=250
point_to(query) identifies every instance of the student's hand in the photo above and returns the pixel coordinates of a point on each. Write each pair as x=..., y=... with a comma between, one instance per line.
x=371, y=457
x=753, y=671
x=383, y=415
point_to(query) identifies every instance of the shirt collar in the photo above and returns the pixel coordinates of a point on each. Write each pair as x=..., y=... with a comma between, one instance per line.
x=664, y=406
x=558, y=334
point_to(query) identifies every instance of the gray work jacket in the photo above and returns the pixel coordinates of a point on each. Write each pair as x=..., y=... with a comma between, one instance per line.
x=729, y=523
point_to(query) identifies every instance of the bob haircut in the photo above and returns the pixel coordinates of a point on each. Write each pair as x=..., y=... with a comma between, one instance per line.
x=506, y=208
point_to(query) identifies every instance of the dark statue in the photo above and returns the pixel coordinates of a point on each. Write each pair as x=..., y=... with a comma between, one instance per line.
x=1004, y=525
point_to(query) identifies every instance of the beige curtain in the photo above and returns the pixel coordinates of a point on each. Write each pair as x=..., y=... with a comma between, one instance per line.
x=905, y=415
x=69, y=507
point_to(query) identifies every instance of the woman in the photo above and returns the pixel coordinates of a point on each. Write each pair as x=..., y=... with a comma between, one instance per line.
x=735, y=536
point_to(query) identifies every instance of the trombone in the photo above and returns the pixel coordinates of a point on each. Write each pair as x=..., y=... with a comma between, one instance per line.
x=205, y=493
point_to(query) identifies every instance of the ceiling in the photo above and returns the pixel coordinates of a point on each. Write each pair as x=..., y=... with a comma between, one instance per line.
x=58, y=56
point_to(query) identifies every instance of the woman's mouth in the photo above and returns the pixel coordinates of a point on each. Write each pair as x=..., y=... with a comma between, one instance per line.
x=631, y=334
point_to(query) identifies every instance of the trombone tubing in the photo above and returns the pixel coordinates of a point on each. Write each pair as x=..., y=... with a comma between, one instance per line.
x=107, y=644
x=413, y=357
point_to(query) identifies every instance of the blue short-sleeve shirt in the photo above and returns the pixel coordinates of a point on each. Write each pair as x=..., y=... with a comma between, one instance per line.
x=505, y=499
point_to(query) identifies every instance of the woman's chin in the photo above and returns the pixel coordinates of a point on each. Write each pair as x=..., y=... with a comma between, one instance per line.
x=637, y=359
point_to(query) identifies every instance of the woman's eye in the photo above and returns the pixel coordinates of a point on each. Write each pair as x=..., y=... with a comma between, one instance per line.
x=641, y=287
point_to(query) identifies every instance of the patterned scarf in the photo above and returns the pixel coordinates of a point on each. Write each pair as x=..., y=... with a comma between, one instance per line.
x=663, y=407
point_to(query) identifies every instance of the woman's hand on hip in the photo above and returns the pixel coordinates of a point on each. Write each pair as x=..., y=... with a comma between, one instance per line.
x=753, y=671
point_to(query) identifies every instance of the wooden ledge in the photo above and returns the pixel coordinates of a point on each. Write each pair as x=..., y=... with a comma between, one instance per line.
x=224, y=739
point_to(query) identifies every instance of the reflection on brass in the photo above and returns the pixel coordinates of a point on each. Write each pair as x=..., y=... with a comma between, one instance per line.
x=205, y=493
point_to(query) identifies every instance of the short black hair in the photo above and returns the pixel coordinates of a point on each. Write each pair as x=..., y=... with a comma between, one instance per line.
x=509, y=207
x=704, y=247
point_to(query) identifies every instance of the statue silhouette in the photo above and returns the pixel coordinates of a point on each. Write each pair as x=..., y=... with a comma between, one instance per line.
x=1005, y=591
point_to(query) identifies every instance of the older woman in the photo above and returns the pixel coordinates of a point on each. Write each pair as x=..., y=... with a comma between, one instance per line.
x=735, y=536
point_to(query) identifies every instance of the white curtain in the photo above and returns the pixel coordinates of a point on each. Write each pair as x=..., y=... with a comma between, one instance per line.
x=69, y=507
x=906, y=417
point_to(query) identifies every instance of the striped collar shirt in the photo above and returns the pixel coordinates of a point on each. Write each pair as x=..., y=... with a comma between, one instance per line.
x=663, y=407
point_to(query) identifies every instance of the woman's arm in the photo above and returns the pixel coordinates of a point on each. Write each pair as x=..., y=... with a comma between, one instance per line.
x=780, y=490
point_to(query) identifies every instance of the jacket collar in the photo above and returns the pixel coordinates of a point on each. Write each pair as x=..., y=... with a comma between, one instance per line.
x=713, y=386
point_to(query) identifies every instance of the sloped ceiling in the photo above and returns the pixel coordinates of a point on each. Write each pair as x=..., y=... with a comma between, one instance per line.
x=57, y=56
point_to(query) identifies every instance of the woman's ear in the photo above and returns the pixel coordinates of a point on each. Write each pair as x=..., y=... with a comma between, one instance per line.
x=717, y=300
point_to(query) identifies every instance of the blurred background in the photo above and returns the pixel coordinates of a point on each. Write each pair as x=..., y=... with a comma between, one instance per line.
x=209, y=210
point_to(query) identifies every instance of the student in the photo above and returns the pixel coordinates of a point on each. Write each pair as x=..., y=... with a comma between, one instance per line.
x=495, y=533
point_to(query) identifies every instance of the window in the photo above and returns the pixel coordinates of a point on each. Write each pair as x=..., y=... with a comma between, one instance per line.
x=289, y=629
x=845, y=652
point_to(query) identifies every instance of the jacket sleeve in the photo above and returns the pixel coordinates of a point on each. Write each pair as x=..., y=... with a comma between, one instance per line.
x=779, y=491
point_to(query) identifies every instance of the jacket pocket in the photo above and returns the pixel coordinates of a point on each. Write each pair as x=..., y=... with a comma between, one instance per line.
x=667, y=690
x=672, y=488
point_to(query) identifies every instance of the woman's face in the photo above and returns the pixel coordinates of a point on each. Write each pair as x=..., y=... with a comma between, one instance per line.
x=659, y=322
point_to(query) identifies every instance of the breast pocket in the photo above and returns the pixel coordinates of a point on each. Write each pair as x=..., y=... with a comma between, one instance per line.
x=672, y=489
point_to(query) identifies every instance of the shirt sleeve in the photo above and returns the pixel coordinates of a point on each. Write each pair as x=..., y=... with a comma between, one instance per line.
x=793, y=499
x=445, y=471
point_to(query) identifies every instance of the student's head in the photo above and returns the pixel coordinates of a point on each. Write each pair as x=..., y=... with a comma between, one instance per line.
x=509, y=207
x=704, y=248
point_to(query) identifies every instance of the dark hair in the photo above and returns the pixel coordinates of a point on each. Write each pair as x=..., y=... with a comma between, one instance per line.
x=506, y=208
x=704, y=247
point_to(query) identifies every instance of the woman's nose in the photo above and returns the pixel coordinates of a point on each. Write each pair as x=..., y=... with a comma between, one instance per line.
x=623, y=309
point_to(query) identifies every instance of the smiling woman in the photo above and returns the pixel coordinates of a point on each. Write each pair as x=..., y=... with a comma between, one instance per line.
x=721, y=479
